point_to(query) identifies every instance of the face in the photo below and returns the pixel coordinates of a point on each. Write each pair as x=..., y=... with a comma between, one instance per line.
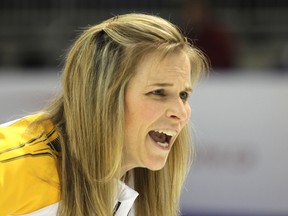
x=156, y=110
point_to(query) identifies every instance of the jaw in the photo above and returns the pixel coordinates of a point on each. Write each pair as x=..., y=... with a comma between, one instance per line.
x=147, y=154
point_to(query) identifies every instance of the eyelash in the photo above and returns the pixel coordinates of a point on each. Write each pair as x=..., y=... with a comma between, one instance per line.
x=160, y=92
x=184, y=97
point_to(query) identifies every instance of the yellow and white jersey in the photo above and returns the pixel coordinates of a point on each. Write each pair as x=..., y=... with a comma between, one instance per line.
x=28, y=170
x=29, y=182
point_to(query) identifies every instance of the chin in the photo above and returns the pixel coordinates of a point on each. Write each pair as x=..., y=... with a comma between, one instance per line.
x=156, y=165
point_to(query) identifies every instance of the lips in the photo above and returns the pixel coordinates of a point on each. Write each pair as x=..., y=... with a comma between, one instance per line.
x=162, y=137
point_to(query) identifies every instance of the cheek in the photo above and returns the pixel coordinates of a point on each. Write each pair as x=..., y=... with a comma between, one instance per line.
x=188, y=110
x=147, y=110
x=141, y=111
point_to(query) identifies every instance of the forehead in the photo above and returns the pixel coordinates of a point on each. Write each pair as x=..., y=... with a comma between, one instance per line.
x=157, y=66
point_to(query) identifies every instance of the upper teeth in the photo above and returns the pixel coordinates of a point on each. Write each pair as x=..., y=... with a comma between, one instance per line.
x=167, y=132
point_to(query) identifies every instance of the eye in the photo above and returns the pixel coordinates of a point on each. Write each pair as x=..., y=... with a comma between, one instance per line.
x=184, y=96
x=159, y=92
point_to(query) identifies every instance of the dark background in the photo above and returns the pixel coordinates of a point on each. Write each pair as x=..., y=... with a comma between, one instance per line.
x=36, y=33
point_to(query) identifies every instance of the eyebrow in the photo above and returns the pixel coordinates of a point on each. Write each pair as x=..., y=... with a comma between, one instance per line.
x=189, y=89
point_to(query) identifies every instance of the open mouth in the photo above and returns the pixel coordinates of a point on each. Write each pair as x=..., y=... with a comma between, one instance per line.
x=162, y=138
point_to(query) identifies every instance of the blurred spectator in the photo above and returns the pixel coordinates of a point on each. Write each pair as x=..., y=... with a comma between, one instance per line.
x=284, y=58
x=208, y=34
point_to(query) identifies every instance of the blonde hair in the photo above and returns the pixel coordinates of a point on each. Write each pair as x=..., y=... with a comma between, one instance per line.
x=89, y=115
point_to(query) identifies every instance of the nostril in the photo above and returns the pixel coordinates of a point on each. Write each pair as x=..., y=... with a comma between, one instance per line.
x=174, y=116
x=180, y=117
x=178, y=112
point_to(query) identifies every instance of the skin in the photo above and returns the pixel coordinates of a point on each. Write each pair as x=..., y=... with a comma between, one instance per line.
x=155, y=99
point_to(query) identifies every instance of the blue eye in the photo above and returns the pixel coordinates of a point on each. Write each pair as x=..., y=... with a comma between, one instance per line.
x=184, y=96
x=159, y=92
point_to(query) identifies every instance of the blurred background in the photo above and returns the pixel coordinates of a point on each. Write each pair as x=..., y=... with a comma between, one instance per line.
x=249, y=33
x=240, y=112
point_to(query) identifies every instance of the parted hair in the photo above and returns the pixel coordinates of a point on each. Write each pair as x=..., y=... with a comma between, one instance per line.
x=89, y=115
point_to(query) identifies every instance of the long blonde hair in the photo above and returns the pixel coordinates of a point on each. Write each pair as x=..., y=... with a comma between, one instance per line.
x=89, y=115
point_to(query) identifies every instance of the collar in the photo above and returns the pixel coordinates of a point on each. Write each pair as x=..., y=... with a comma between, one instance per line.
x=125, y=199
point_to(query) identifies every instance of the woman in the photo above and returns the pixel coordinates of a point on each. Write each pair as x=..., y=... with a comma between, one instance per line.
x=121, y=117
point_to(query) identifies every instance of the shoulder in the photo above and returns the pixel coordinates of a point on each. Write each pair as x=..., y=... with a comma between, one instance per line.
x=50, y=210
x=31, y=136
x=28, y=165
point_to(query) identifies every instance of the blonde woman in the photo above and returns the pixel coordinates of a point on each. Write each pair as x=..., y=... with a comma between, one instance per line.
x=121, y=119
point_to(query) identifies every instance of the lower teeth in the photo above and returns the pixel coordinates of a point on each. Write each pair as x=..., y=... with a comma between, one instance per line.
x=163, y=144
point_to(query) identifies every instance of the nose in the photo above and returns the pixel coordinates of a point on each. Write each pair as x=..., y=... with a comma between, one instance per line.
x=178, y=110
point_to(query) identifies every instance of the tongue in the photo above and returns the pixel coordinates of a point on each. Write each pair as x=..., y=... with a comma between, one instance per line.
x=157, y=137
